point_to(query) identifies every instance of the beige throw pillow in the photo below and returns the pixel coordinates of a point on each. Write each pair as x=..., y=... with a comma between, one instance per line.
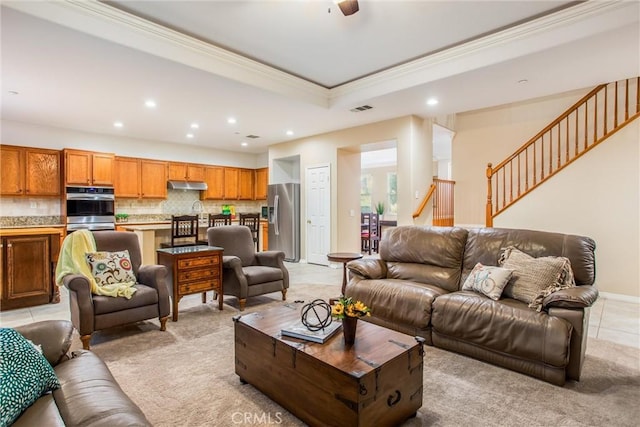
x=535, y=278
x=487, y=280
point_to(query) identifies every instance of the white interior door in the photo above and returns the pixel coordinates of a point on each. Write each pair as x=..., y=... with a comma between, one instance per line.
x=318, y=209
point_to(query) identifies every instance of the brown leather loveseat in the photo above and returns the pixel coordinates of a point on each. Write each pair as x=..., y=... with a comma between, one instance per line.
x=416, y=288
x=89, y=396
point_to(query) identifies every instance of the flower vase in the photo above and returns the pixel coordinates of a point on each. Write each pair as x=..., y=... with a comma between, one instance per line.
x=349, y=325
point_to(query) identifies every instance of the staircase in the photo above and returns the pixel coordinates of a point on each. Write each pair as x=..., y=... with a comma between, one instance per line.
x=594, y=118
x=442, y=192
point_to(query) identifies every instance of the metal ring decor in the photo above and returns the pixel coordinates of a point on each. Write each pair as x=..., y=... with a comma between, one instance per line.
x=316, y=315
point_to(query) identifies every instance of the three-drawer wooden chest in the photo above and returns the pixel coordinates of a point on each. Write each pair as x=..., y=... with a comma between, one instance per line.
x=193, y=269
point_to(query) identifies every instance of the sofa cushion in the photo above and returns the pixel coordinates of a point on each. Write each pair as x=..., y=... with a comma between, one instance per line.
x=430, y=255
x=488, y=280
x=397, y=301
x=43, y=412
x=485, y=245
x=506, y=326
x=262, y=274
x=535, y=278
x=90, y=396
x=25, y=375
x=145, y=295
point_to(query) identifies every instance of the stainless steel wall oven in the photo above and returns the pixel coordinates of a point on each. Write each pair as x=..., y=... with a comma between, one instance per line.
x=90, y=208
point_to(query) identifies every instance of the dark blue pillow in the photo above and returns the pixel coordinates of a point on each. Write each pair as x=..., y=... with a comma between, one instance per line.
x=25, y=375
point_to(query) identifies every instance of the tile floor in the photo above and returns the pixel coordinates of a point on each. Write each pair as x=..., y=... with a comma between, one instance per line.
x=611, y=320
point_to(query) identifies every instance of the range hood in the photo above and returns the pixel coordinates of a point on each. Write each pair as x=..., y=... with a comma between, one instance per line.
x=186, y=185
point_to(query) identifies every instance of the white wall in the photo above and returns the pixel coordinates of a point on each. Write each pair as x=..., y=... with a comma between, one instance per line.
x=596, y=196
x=16, y=133
x=414, y=171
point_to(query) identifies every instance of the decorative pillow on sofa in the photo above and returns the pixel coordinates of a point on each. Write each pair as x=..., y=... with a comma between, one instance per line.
x=25, y=375
x=535, y=278
x=110, y=268
x=487, y=280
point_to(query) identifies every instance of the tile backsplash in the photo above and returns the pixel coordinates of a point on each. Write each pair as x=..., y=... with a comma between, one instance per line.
x=19, y=211
x=181, y=202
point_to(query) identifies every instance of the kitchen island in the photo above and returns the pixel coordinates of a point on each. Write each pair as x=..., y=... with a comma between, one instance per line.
x=151, y=236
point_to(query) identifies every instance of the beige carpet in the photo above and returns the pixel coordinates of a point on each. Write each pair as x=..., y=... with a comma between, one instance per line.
x=185, y=377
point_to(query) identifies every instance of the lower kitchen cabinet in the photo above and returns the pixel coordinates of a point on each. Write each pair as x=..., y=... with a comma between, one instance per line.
x=27, y=267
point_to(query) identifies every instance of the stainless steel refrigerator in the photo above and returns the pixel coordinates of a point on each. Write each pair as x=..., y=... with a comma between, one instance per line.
x=283, y=201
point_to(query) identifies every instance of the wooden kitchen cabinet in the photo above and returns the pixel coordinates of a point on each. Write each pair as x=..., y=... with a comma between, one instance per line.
x=27, y=267
x=262, y=179
x=186, y=172
x=126, y=181
x=246, y=179
x=29, y=171
x=214, y=177
x=231, y=182
x=140, y=178
x=88, y=168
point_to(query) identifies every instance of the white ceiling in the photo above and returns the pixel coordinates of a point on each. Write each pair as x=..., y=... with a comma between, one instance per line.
x=279, y=65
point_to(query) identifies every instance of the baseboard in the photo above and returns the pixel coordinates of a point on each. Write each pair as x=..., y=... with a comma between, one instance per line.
x=620, y=297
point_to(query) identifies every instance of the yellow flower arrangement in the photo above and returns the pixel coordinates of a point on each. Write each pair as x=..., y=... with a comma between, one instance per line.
x=345, y=307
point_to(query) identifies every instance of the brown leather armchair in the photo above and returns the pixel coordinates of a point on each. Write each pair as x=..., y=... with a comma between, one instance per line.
x=90, y=313
x=245, y=272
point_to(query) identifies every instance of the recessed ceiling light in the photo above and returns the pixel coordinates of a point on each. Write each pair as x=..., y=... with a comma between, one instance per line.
x=150, y=103
x=194, y=126
x=290, y=133
x=118, y=124
x=244, y=144
x=13, y=92
x=231, y=120
x=189, y=135
x=523, y=81
x=432, y=101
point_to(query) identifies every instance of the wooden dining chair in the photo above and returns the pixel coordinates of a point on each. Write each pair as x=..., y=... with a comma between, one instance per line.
x=252, y=220
x=216, y=220
x=184, y=231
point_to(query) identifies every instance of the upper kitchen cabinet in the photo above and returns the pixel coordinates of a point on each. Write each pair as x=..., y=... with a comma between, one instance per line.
x=140, y=178
x=262, y=179
x=231, y=183
x=29, y=171
x=245, y=184
x=88, y=168
x=214, y=177
x=186, y=172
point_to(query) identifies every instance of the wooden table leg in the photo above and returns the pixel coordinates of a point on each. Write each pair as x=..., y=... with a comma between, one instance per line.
x=344, y=277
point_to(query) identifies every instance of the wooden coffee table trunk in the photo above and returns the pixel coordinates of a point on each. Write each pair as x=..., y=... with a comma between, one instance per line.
x=377, y=381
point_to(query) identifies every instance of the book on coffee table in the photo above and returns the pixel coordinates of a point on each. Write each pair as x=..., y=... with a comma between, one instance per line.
x=298, y=330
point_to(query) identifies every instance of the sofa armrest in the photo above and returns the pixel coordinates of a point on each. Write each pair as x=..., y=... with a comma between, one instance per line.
x=53, y=335
x=155, y=276
x=270, y=258
x=232, y=262
x=369, y=268
x=577, y=297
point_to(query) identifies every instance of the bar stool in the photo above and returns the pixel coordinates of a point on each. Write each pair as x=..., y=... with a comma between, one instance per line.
x=183, y=229
x=252, y=220
x=216, y=220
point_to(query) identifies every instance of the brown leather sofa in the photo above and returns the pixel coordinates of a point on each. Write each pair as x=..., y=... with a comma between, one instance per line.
x=89, y=395
x=415, y=288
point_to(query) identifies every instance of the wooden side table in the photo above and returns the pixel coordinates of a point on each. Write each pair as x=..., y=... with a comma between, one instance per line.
x=193, y=269
x=344, y=258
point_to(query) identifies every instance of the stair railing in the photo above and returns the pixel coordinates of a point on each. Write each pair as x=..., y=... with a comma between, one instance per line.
x=443, y=202
x=424, y=202
x=598, y=115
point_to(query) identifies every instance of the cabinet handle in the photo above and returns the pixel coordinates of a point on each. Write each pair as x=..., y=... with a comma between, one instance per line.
x=9, y=245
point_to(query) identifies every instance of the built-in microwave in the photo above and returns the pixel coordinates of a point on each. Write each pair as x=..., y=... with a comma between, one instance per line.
x=90, y=208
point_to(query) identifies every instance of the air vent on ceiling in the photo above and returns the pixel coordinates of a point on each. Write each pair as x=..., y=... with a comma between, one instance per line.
x=361, y=108
x=252, y=136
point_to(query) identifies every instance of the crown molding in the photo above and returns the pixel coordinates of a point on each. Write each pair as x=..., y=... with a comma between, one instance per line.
x=545, y=32
x=106, y=22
